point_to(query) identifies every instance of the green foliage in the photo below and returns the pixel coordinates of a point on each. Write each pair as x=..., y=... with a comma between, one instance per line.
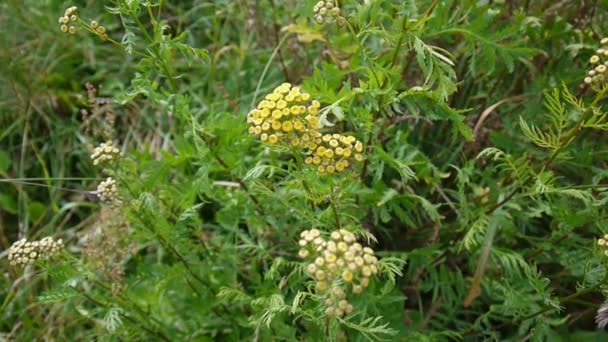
x=482, y=188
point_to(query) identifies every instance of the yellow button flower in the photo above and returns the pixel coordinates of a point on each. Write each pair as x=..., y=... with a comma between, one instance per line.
x=276, y=125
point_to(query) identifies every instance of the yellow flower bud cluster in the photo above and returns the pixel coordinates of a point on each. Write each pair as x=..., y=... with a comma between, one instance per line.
x=598, y=75
x=337, y=263
x=603, y=243
x=288, y=115
x=284, y=116
x=69, y=16
x=331, y=152
x=108, y=193
x=336, y=303
x=99, y=30
x=327, y=12
x=105, y=154
x=24, y=253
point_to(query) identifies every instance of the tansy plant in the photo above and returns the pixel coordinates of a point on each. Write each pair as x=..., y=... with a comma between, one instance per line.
x=303, y=170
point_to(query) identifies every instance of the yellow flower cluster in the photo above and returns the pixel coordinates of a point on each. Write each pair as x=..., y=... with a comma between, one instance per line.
x=284, y=116
x=327, y=12
x=105, y=154
x=108, y=193
x=597, y=76
x=331, y=152
x=289, y=115
x=24, y=253
x=337, y=263
x=603, y=243
x=69, y=16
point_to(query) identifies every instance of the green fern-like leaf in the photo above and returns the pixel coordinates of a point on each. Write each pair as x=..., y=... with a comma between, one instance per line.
x=112, y=320
x=56, y=296
x=539, y=137
x=474, y=235
x=439, y=73
x=371, y=328
x=391, y=267
x=233, y=295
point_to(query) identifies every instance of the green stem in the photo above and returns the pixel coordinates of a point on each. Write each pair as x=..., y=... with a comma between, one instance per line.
x=333, y=202
x=399, y=44
x=118, y=44
x=275, y=32
x=160, y=8
x=151, y=15
x=156, y=51
x=375, y=114
x=300, y=166
x=141, y=26
x=167, y=71
x=272, y=56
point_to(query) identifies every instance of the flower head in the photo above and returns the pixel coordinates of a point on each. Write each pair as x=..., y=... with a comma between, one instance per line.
x=108, y=193
x=603, y=244
x=597, y=75
x=289, y=116
x=333, y=152
x=69, y=16
x=105, y=154
x=24, y=253
x=337, y=263
x=284, y=116
x=327, y=12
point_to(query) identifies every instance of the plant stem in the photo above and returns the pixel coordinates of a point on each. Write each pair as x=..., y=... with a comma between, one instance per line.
x=376, y=113
x=275, y=31
x=300, y=166
x=156, y=50
x=265, y=71
x=333, y=200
